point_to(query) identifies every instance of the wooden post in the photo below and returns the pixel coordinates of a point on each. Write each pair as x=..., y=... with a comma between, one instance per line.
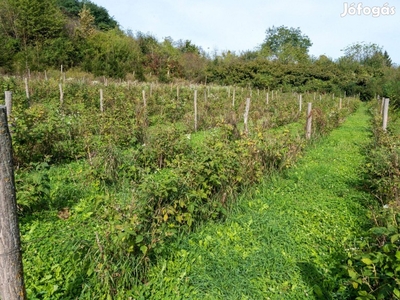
x=340, y=103
x=246, y=115
x=233, y=97
x=309, y=121
x=11, y=270
x=45, y=75
x=300, y=102
x=195, y=110
x=61, y=93
x=267, y=98
x=382, y=105
x=101, y=101
x=26, y=88
x=144, y=98
x=385, y=113
x=8, y=97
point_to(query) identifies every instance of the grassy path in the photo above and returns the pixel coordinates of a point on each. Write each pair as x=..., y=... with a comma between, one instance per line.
x=286, y=239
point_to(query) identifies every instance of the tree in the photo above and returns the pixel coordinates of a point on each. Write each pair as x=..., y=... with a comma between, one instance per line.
x=8, y=16
x=388, y=60
x=86, y=24
x=38, y=20
x=111, y=53
x=186, y=46
x=286, y=44
x=102, y=19
x=362, y=52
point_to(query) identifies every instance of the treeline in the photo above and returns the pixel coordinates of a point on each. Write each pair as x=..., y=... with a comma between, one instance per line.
x=38, y=35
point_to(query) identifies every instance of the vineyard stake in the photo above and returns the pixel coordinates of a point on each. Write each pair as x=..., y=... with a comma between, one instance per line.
x=101, y=100
x=385, y=113
x=246, y=115
x=8, y=97
x=309, y=120
x=300, y=102
x=195, y=110
x=61, y=93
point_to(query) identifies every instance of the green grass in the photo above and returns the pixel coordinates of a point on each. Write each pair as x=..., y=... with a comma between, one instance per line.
x=285, y=239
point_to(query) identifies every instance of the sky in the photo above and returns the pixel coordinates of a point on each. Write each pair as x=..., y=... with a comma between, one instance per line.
x=222, y=25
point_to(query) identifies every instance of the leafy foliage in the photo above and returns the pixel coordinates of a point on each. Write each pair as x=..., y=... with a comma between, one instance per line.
x=373, y=265
x=286, y=44
x=130, y=179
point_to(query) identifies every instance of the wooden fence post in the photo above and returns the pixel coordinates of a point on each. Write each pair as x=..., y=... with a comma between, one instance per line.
x=101, y=101
x=26, y=88
x=144, y=98
x=233, y=97
x=61, y=93
x=195, y=110
x=11, y=270
x=300, y=102
x=385, y=113
x=8, y=97
x=246, y=115
x=309, y=121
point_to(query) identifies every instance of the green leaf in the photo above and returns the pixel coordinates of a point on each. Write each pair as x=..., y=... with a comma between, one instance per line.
x=367, y=261
x=353, y=274
x=143, y=249
x=394, y=238
x=139, y=239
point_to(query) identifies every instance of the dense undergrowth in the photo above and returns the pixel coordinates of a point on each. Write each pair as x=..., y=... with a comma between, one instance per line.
x=374, y=265
x=102, y=193
x=288, y=237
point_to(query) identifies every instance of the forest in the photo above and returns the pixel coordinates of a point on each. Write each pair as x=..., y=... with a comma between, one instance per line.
x=79, y=35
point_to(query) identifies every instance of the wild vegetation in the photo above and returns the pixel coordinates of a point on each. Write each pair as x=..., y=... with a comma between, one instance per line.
x=373, y=266
x=114, y=186
x=106, y=190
